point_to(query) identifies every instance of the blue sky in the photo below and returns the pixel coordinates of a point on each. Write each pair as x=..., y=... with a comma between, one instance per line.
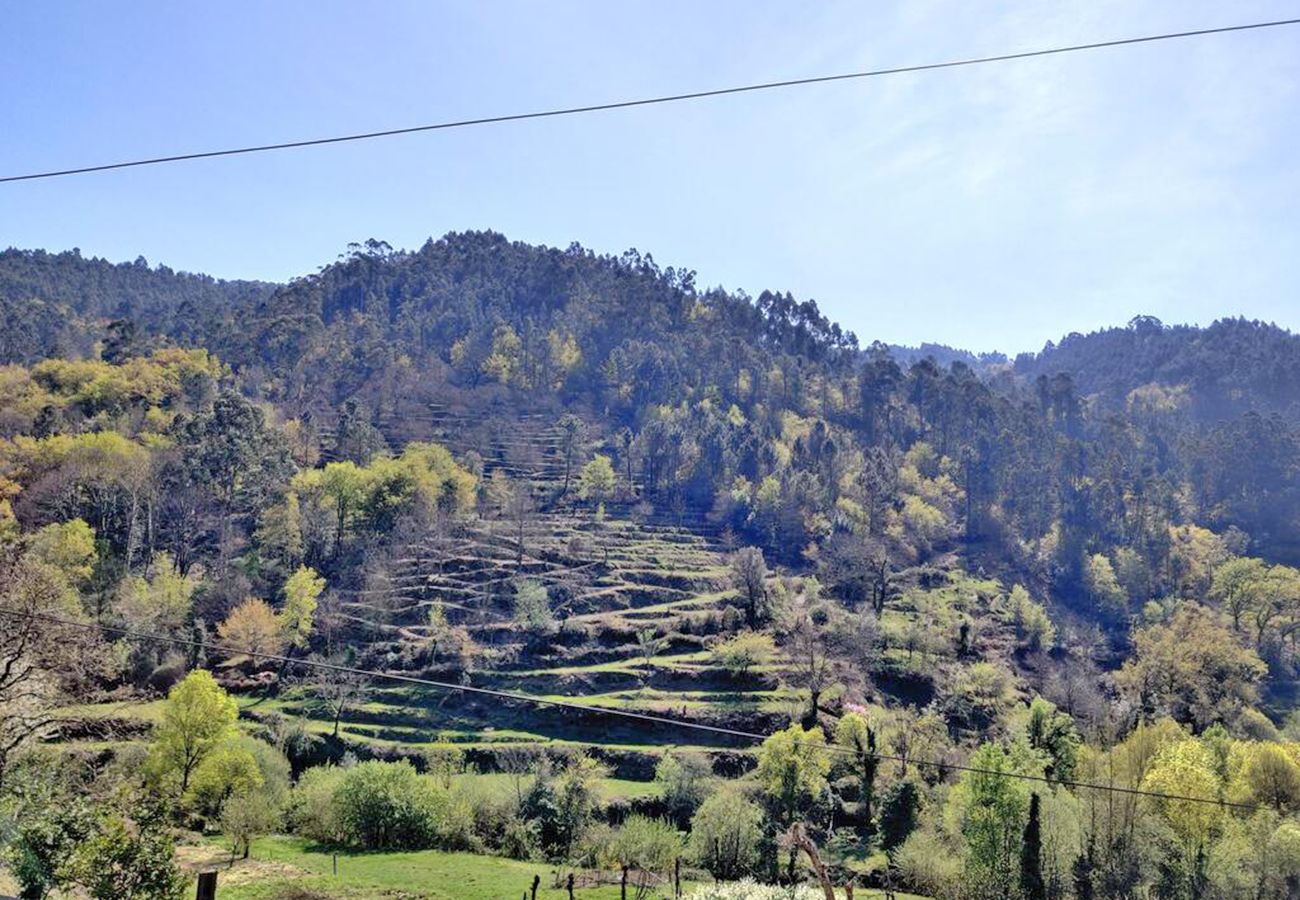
x=990, y=208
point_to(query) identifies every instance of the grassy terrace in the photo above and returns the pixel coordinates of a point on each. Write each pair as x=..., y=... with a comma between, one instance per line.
x=281, y=863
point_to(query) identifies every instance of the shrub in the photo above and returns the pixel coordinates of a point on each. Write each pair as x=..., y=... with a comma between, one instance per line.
x=389, y=806
x=725, y=833
x=312, y=812
x=928, y=865
x=743, y=652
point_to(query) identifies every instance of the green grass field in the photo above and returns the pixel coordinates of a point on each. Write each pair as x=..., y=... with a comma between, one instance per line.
x=281, y=864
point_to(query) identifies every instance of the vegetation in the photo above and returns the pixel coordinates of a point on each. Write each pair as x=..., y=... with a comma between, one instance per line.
x=960, y=597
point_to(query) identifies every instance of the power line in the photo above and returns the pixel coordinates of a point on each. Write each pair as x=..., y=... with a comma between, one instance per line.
x=619, y=713
x=649, y=101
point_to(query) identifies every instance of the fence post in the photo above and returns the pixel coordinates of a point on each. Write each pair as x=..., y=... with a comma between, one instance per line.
x=677, y=877
x=537, y=879
x=569, y=885
x=207, y=889
x=622, y=885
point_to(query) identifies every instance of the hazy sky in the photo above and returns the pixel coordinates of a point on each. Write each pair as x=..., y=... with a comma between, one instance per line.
x=991, y=208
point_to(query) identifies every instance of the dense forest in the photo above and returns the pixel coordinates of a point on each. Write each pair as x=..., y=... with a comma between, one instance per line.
x=951, y=587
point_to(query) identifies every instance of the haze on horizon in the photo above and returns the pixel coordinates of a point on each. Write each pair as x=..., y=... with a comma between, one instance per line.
x=993, y=208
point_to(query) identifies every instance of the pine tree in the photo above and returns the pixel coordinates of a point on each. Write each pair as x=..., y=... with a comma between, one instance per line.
x=1031, y=856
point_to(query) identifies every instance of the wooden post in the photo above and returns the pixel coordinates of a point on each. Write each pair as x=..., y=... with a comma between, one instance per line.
x=569, y=885
x=622, y=885
x=677, y=877
x=537, y=879
x=336, y=865
x=207, y=886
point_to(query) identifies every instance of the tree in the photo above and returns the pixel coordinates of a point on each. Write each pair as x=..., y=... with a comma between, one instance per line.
x=1103, y=587
x=1186, y=768
x=684, y=779
x=646, y=846
x=725, y=833
x=1191, y=668
x=335, y=686
x=245, y=816
x=899, y=811
x=1034, y=629
x=649, y=645
x=39, y=658
x=855, y=734
x=120, y=861
x=596, y=480
x=1053, y=733
x=45, y=826
x=1032, y=886
x=197, y=717
x=253, y=630
x=792, y=769
x=389, y=806
x=1238, y=585
x=744, y=652
x=298, y=613
x=577, y=798
x=990, y=805
x=749, y=576
x=227, y=771
x=1269, y=776
x=572, y=432
x=532, y=607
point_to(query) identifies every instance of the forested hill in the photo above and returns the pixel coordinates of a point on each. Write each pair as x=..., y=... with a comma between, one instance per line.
x=549, y=473
x=1232, y=365
x=758, y=414
x=58, y=304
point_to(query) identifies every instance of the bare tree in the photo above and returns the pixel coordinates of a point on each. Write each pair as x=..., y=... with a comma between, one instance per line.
x=337, y=689
x=39, y=659
x=749, y=576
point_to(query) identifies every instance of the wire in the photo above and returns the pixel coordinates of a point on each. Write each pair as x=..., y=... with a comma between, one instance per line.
x=619, y=713
x=648, y=101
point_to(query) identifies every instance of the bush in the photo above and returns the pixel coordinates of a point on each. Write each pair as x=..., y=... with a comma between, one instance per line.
x=312, y=812
x=928, y=865
x=684, y=780
x=743, y=652
x=725, y=833
x=121, y=861
x=389, y=806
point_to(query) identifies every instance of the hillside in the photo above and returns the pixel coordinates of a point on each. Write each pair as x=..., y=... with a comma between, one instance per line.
x=578, y=480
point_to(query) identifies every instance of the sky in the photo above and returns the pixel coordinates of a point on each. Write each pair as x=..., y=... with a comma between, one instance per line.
x=990, y=208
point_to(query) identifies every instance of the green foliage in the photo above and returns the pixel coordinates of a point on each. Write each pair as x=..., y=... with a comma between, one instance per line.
x=1053, y=733
x=726, y=833
x=1034, y=629
x=684, y=779
x=900, y=810
x=988, y=809
x=744, y=652
x=228, y=770
x=312, y=811
x=596, y=479
x=389, y=806
x=41, y=841
x=648, y=846
x=245, y=816
x=198, y=718
x=532, y=607
x=297, y=616
x=1191, y=668
x=792, y=769
x=121, y=860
